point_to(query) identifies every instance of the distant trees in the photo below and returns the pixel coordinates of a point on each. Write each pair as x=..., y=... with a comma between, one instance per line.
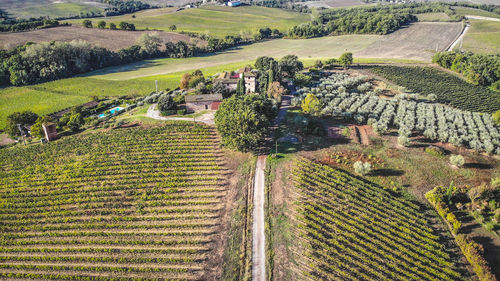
x=87, y=23
x=126, y=26
x=112, y=26
x=119, y=7
x=8, y=24
x=479, y=69
x=242, y=121
x=101, y=24
x=49, y=61
x=191, y=80
x=173, y=27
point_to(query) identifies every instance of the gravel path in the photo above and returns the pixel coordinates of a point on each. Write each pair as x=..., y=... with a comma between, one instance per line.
x=207, y=118
x=258, y=235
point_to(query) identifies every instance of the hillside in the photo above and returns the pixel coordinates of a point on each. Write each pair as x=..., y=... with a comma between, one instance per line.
x=110, y=39
x=107, y=205
x=50, y=8
x=217, y=21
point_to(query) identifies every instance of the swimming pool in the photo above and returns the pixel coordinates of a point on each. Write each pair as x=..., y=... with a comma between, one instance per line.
x=111, y=111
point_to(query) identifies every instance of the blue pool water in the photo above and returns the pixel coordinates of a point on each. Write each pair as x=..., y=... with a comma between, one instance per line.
x=111, y=111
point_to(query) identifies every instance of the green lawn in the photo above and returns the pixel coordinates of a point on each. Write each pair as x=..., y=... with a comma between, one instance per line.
x=474, y=12
x=483, y=37
x=55, y=10
x=217, y=21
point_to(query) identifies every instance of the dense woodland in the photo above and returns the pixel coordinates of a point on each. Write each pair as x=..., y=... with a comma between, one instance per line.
x=479, y=69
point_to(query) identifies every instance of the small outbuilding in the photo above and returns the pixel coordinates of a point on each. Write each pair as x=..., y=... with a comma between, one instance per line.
x=195, y=103
x=50, y=131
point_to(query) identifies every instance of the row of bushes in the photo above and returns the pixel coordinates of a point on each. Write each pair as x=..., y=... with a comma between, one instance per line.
x=472, y=251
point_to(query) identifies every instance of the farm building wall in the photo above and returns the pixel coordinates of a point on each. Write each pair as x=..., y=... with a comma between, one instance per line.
x=199, y=106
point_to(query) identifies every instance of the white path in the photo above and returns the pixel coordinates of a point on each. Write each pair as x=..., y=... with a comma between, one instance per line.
x=459, y=38
x=258, y=234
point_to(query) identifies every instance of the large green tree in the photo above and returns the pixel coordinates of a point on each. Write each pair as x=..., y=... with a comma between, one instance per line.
x=23, y=118
x=241, y=87
x=346, y=60
x=243, y=121
x=289, y=65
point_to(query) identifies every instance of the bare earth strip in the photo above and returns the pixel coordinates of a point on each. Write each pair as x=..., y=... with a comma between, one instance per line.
x=418, y=41
x=109, y=39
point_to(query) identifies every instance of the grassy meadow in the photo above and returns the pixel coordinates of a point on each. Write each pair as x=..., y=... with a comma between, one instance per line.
x=475, y=12
x=217, y=21
x=55, y=10
x=483, y=37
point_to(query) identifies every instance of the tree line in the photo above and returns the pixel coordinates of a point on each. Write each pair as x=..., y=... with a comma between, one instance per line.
x=366, y=20
x=117, y=7
x=478, y=69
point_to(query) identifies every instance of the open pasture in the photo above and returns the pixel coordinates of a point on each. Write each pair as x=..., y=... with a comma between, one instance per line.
x=482, y=37
x=110, y=39
x=217, y=21
x=127, y=204
x=50, y=8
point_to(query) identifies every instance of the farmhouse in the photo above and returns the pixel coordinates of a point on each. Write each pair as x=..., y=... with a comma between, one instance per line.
x=230, y=79
x=196, y=103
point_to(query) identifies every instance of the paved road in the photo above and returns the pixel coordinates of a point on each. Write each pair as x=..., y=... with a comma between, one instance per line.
x=207, y=118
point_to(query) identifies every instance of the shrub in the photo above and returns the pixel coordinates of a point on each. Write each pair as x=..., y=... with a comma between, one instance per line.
x=362, y=168
x=166, y=102
x=434, y=151
x=311, y=105
x=457, y=160
x=181, y=112
x=403, y=140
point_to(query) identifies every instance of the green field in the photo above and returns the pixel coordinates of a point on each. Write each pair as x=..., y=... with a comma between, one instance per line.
x=109, y=206
x=217, y=21
x=483, y=37
x=55, y=10
x=474, y=12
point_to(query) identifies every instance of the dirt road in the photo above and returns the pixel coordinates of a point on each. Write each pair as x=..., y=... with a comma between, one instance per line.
x=258, y=235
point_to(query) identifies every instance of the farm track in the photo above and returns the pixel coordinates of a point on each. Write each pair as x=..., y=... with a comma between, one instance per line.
x=146, y=217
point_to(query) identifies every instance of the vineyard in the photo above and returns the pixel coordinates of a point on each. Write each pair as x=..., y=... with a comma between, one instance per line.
x=128, y=204
x=352, y=229
x=448, y=88
x=352, y=98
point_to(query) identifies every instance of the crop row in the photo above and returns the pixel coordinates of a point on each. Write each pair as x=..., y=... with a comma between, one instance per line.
x=357, y=230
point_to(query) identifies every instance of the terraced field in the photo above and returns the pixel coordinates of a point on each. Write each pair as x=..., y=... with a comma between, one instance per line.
x=129, y=204
x=352, y=229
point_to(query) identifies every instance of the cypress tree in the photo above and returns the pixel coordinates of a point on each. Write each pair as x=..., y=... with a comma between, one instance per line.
x=240, y=88
x=271, y=78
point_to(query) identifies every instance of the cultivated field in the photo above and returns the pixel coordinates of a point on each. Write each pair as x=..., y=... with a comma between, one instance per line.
x=352, y=229
x=482, y=37
x=214, y=20
x=474, y=12
x=134, y=204
x=418, y=41
x=50, y=8
x=109, y=39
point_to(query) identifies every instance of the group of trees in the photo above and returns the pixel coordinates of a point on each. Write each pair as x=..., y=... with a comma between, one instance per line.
x=284, y=4
x=119, y=7
x=102, y=24
x=271, y=70
x=243, y=120
x=381, y=19
x=8, y=24
x=479, y=69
